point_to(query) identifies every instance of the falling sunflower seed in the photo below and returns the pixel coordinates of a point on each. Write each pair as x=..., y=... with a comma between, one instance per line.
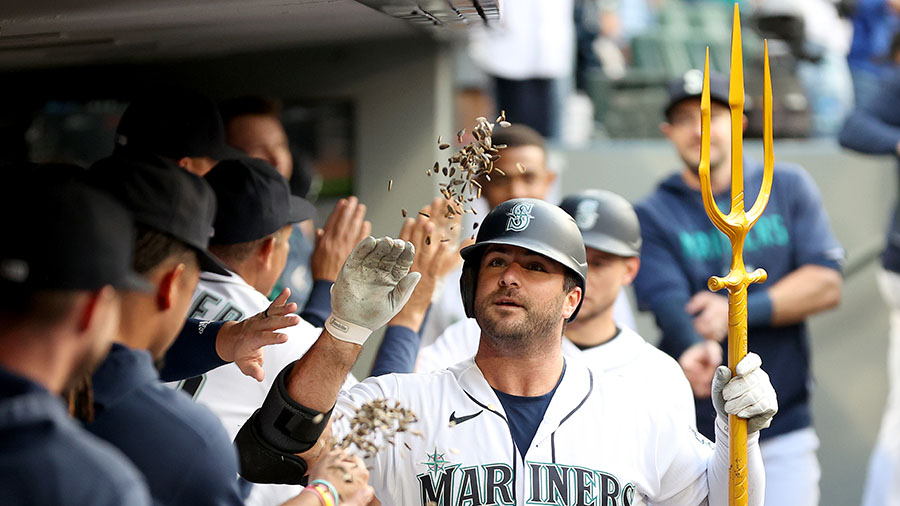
x=443, y=146
x=403, y=212
x=427, y=239
x=505, y=124
x=390, y=184
x=521, y=167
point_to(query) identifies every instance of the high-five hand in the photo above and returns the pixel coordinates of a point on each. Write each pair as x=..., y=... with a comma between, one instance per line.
x=372, y=286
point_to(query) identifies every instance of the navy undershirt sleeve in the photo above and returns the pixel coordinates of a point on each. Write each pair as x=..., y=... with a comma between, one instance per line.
x=397, y=352
x=193, y=352
x=318, y=306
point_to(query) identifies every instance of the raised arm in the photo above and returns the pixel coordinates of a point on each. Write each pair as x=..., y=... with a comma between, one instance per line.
x=371, y=287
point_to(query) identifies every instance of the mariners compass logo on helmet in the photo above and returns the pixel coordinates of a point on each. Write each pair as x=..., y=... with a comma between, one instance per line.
x=519, y=216
x=586, y=214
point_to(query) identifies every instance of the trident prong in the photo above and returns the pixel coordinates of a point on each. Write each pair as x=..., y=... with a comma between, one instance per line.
x=735, y=225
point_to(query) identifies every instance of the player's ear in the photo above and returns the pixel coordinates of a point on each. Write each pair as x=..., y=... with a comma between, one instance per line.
x=89, y=306
x=264, y=253
x=632, y=266
x=168, y=286
x=666, y=129
x=571, y=301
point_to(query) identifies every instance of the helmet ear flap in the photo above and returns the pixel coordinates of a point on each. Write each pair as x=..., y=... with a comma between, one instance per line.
x=467, y=282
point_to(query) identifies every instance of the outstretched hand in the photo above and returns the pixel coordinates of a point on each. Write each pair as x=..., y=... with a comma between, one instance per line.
x=243, y=342
x=435, y=238
x=345, y=228
x=371, y=288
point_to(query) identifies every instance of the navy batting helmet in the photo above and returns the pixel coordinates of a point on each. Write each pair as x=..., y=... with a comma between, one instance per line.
x=607, y=221
x=531, y=224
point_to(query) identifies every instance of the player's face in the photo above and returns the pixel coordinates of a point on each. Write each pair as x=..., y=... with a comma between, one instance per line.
x=607, y=274
x=533, y=183
x=277, y=260
x=262, y=136
x=519, y=300
x=683, y=130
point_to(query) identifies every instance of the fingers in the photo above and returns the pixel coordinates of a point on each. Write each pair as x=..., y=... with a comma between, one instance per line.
x=364, y=230
x=406, y=230
x=253, y=370
x=336, y=214
x=404, y=289
x=281, y=299
x=720, y=380
x=748, y=364
x=362, y=251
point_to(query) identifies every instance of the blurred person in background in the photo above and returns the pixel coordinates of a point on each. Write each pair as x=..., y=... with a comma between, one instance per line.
x=874, y=128
x=792, y=240
x=529, y=54
x=180, y=125
x=874, y=24
x=253, y=125
x=62, y=265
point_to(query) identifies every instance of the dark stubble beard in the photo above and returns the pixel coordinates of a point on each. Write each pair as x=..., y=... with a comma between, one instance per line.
x=515, y=336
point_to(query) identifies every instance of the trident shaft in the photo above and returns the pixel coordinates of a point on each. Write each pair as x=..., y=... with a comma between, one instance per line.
x=735, y=225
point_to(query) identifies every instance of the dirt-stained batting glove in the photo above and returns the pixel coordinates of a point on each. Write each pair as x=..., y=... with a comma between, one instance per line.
x=372, y=286
x=749, y=395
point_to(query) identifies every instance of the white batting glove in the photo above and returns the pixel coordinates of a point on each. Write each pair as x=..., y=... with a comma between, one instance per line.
x=749, y=395
x=372, y=287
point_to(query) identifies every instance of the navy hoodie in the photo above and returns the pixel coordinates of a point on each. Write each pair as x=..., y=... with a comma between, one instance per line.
x=682, y=249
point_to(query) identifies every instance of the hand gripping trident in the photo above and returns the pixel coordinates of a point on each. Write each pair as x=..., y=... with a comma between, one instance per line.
x=735, y=225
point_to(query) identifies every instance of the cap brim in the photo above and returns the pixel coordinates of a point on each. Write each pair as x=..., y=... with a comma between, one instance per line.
x=209, y=263
x=134, y=282
x=301, y=209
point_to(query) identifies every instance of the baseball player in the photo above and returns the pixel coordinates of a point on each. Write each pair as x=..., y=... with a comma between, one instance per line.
x=519, y=423
x=524, y=146
x=254, y=219
x=612, y=239
x=61, y=265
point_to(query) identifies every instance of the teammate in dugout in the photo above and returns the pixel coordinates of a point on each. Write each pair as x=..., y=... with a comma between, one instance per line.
x=519, y=422
x=62, y=264
x=255, y=217
x=792, y=240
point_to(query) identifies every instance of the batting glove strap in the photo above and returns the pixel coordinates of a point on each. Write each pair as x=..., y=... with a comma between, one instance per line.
x=346, y=331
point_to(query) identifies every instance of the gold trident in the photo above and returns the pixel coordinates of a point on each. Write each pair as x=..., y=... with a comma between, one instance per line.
x=735, y=225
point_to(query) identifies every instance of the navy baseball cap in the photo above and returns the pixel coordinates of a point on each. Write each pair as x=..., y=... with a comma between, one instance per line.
x=174, y=123
x=254, y=201
x=164, y=197
x=62, y=234
x=690, y=85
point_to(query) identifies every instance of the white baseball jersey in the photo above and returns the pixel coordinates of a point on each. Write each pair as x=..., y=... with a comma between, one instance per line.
x=598, y=443
x=231, y=395
x=627, y=355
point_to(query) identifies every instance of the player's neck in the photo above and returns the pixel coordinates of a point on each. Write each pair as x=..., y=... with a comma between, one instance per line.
x=45, y=361
x=593, y=332
x=526, y=375
x=138, y=326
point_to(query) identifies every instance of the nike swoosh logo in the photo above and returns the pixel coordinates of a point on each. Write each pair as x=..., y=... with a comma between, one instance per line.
x=456, y=421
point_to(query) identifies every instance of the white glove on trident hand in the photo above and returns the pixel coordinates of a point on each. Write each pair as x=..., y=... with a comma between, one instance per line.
x=372, y=286
x=749, y=395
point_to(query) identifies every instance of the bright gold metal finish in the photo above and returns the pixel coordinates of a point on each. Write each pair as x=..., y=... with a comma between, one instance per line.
x=735, y=225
